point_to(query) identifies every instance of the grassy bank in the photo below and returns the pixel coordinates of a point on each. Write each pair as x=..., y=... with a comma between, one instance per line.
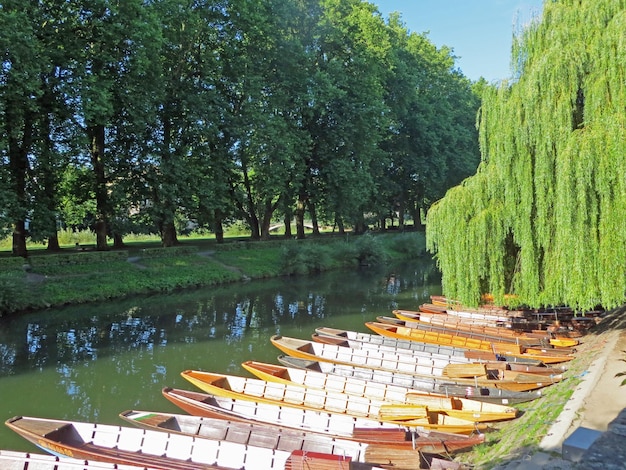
x=79, y=275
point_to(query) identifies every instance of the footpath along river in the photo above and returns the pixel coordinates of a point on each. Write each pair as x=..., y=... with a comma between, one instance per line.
x=91, y=362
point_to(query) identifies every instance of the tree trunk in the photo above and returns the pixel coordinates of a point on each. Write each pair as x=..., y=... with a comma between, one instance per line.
x=219, y=227
x=118, y=241
x=287, y=221
x=53, y=243
x=314, y=221
x=300, y=217
x=18, y=164
x=340, y=226
x=19, y=239
x=96, y=138
x=168, y=234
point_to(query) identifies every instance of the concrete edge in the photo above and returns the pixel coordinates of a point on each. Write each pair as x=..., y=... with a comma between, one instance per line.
x=562, y=427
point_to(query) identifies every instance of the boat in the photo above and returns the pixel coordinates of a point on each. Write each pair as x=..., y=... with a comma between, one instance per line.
x=435, y=385
x=341, y=426
x=338, y=336
x=403, y=330
x=474, y=328
x=559, y=320
x=13, y=460
x=153, y=449
x=470, y=374
x=245, y=388
x=373, y=342
x=275, y=437
x=450, y=406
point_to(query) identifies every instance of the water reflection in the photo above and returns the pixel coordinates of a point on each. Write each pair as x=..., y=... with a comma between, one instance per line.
x=91, y=362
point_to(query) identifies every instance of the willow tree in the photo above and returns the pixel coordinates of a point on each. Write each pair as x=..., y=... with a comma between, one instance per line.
x=544, y=217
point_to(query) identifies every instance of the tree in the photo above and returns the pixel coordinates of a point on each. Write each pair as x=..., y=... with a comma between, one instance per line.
x=543, y=217
x=22, y=63
x=116, y=44
x=432, y=142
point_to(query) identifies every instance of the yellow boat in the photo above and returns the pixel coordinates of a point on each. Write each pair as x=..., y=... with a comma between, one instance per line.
x=477, y=375
x=300, y=397
x=452, y=406
x=403, y=330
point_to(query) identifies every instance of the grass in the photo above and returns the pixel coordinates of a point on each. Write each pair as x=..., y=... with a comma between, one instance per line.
x=74, y=277
x=513, y=439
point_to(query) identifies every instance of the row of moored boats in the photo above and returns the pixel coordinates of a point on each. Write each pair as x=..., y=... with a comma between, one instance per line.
x=414, y=390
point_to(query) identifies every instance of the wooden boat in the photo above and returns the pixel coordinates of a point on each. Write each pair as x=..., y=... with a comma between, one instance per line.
x=374, y=342
x=244, y=388
x=338, y=336
x=435, y=385
x=450, y=406
x=275, y=437
x=12, y=460
x=395, y=435
x=152, y=449
x=470, y=374
x=473, y=328
x=559, y=320
x=402, y=330
x=272, y=437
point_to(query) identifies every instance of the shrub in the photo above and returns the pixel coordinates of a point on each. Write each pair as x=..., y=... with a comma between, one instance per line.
x=14, y=292
x=370, y=250
x=412, y=244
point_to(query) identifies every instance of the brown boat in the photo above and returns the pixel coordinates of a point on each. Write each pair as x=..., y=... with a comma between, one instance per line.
x=395, y=328
x=329, y=424
x=153, y=449
x=477, y=375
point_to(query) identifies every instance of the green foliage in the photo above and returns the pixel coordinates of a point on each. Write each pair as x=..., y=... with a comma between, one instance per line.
x=543, y=216
x=410, y=244
x=70, y=259
x=369, y=250
x=306, y=258
x=15, y=293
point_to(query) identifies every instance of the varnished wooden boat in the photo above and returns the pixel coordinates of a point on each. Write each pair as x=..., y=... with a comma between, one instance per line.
x=12, y=460
x=472, y=328
x=562, y=321
x=152, y=449
x=341, y=426
x=470, y=374
x=402, y=330
x=435, y=385
x=452, y=406
x=244, y=388
x=337, y=336
x=276, y=437
x=493, y=362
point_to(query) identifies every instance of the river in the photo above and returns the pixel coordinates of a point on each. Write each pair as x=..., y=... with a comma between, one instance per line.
x=91, y=362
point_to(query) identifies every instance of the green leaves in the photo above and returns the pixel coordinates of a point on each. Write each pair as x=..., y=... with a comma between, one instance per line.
x=552, y=145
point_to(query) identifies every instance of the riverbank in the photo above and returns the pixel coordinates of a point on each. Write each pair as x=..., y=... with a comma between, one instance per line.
x=77, y=276
x=590, y=397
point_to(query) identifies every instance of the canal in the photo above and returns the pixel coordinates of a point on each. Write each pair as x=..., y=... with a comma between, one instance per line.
x=91, y=362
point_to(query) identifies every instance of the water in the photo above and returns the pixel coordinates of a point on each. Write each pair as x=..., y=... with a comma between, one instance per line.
x=91, y=362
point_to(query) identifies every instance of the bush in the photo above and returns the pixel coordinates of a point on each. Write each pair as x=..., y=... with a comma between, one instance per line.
x=411, y=244
x=370, y=250
x=14, y=292
x=304, y=258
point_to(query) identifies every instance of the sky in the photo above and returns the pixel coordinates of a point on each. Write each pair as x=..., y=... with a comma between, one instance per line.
x=478, y=31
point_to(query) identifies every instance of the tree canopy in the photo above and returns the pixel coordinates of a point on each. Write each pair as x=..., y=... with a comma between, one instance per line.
x=145, y=115
x=543, y=218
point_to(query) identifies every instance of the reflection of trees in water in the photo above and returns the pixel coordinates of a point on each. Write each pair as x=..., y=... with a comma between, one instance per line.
x=78, y=335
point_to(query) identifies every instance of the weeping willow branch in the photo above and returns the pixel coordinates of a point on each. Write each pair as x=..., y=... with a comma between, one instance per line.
x=544, y=218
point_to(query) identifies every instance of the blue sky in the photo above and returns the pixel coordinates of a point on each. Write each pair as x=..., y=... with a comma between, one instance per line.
x=478, y=31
